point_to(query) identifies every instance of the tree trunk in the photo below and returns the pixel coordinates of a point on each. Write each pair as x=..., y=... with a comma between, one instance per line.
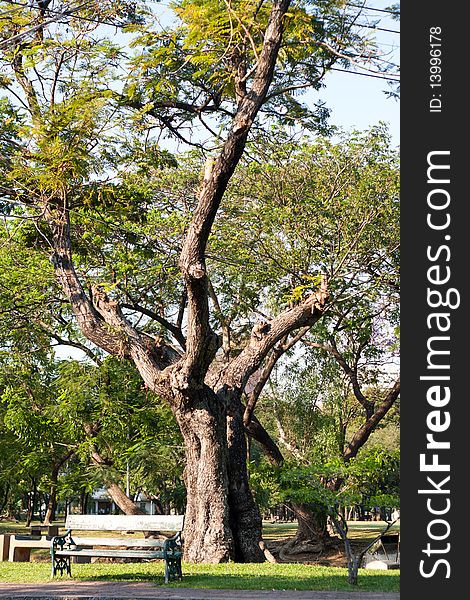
x=51, y=504
x=84, y=502
x=159, y=508
x=312, y=529
x=6, y=494
x=245, y=518
x=52, y=501
x=31, y=503
x=207, y=533
x=121, y=500
x=312, y=526
x=353, y=569
x=11, y=513
x=41, y=499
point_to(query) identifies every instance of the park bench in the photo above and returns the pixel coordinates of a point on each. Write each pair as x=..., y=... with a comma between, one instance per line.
x=169, y=549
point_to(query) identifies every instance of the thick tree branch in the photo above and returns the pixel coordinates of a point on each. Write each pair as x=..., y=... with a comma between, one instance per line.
x=134, y=344
x=270, y=449
x=264, y=375
x=266, y=335
x=89, y=320
x=364, y=432
x=102, y=321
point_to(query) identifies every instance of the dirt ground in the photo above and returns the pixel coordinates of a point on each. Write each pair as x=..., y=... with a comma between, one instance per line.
x=333, y=557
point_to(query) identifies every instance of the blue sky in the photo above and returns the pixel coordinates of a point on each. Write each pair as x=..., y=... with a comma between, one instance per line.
x=358, y=102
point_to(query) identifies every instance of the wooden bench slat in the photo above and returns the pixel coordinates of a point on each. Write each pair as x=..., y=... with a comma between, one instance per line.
x=109, y=541
x=112, y=553
x=125, y=522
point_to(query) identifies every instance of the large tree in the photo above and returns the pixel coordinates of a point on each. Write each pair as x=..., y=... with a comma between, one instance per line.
x=73, y=126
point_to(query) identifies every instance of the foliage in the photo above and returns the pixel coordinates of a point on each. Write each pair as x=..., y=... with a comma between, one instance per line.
x=86, y=174
x=79, y=132
x=293, y=210
x=47, y=407
x=370, y=480
x=212, y=54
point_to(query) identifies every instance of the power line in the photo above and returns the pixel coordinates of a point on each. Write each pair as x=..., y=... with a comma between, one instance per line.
x=78, y=17
x=70, y=11
x=364, y=7
x=56, y=19
x=365, y=25
x=388, y=78
x=377, y=28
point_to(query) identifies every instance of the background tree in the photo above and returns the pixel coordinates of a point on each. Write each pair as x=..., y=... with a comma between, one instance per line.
x=32, y=427
x=318, y=416
x=343, y=200
x=78, y=426
x=124, y=430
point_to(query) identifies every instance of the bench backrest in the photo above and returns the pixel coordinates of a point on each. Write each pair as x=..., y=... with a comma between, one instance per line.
x=125, y=522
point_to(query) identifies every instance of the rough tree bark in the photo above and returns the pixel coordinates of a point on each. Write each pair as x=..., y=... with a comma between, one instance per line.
x=207, y=528
x=245, y=518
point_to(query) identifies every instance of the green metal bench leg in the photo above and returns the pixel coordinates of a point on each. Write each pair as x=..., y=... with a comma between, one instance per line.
x=180, y=572
x=173, y=569
x=167, y=572
x=61, y=564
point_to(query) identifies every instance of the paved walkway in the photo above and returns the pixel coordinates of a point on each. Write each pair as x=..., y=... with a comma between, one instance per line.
x=140, y=591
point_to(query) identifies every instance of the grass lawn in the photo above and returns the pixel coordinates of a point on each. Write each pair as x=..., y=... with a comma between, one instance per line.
x=264, y=576
x=236, y=576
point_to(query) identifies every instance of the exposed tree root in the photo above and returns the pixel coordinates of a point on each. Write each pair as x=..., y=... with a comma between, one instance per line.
x=267, y=554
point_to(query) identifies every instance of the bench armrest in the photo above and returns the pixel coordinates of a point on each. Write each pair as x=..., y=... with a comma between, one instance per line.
x=58, y=542
x=172, y=545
